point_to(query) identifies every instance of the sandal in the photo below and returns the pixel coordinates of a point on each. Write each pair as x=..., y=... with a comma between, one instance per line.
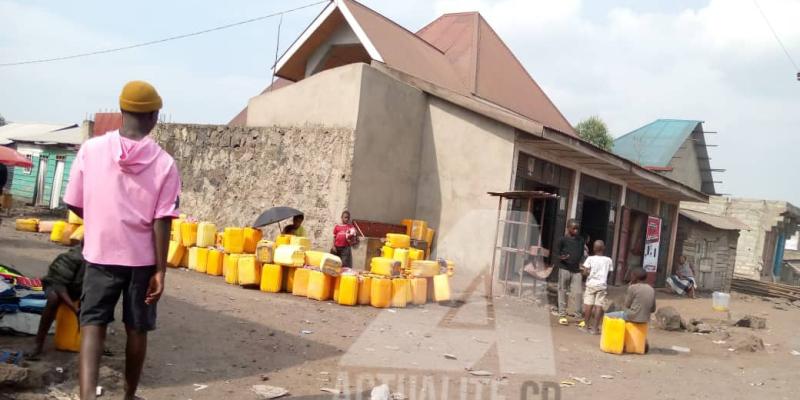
x=11, y=357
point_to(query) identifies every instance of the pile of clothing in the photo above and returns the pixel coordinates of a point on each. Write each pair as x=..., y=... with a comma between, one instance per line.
x=22, y=302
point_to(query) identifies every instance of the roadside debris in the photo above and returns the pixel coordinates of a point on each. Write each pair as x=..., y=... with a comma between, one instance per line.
x=306, y=332
x=697, y=326
x=450, y=357
x=681, y=349
x=795, y=353
x=266, y=392
x=566, y=384
x=751, y=321
x=607, y=376
x=98, y=391
x=479, y=372
x=198, y=387
x=704, y=328
x=331, y=391
x=581, y=380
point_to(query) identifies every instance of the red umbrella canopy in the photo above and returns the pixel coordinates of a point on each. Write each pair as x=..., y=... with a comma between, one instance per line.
x=9, y=156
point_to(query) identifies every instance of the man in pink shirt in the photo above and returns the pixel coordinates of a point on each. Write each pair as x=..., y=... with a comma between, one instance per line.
x=126, y=189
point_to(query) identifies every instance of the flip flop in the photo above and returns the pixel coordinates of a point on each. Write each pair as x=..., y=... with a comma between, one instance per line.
x=11, y=357
x=563, y=321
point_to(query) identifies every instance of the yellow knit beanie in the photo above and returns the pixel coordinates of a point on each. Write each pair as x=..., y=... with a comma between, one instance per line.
x=139, y=97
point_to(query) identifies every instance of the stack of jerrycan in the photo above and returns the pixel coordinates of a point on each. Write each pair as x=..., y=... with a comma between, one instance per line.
x=619, y=336
x=402, y=275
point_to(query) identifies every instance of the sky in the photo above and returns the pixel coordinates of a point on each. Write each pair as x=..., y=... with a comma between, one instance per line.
x=626, y=61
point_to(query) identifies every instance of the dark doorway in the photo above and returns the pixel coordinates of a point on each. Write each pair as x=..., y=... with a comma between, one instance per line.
x=632, y=236
x=594, y=221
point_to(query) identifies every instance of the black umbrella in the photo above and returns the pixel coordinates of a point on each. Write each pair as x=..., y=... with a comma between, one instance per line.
x=275, y=214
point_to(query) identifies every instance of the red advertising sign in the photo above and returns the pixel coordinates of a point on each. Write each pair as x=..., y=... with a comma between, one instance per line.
x=652, y=241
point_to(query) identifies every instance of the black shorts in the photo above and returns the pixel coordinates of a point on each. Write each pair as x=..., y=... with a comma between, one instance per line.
x=346, y=255
x=102, y=286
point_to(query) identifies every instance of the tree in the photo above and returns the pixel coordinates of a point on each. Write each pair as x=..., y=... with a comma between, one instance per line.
x=595, y=131
x=2, y=120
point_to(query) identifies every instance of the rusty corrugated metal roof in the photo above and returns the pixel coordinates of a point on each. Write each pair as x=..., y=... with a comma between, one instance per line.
x=717, y=221
x=106, y=122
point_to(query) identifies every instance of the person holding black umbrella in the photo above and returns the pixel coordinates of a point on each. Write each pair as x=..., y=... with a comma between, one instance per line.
x=296, y=228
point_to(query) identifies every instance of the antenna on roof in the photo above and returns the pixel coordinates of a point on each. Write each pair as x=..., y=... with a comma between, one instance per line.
x=277, y=47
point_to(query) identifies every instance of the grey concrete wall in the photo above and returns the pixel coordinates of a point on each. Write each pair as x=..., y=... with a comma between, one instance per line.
x=387, y=146
x=232, y=174
x=463, y=156
x=685, y=167
x=331, y=98
x=761, y=216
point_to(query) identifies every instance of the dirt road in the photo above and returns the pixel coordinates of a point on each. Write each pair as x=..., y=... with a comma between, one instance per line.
x=227, y=339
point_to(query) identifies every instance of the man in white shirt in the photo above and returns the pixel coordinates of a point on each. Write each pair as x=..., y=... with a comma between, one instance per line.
x=596, y=267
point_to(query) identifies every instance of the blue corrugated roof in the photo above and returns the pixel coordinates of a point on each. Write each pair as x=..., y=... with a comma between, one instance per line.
x=654, y=144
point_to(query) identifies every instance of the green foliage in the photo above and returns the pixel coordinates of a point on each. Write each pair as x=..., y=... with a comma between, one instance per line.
x=595, y=131
x=2, y=120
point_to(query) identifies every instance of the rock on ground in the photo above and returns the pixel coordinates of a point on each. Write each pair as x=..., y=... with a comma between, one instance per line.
x=704, y=328
x=750, y=343
x=12, y=375
x=751, y=321
x=669, y=319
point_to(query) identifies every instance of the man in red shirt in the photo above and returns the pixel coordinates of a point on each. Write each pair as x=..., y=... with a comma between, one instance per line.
x=344, y=235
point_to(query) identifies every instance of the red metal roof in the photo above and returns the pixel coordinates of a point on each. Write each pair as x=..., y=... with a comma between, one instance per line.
x=106, y=122
x=489, y=68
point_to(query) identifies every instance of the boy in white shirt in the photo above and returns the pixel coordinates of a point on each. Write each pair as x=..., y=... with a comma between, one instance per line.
x=596, y=267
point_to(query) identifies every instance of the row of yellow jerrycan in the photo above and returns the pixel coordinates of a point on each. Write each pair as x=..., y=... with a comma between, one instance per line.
x=204, y=234
x=266, y=252
x=619, y=336
x=352, y=289
x=347, y=289
x=417, y=268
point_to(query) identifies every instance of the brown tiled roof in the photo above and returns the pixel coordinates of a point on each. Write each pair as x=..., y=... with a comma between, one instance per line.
x=405, y=51
x=459, y=52
x=490, y=69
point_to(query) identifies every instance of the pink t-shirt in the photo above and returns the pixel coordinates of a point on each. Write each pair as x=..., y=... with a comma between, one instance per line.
x=123, y=185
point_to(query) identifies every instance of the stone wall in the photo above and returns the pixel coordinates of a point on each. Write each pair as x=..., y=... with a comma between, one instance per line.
x=232, y=173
